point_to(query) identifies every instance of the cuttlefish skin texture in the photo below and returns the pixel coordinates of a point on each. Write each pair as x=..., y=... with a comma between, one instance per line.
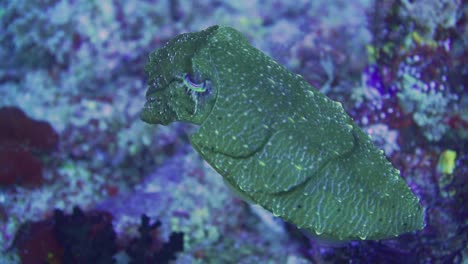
x=276, y=140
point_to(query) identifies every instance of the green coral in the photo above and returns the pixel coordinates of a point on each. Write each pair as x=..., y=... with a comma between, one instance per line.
x=428, y=108
x=276, y=140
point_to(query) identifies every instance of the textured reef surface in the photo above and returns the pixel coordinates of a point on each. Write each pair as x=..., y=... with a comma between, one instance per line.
x=83, y=179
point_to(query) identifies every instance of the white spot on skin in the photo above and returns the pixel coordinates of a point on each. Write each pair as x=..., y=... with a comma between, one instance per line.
x=298, y=167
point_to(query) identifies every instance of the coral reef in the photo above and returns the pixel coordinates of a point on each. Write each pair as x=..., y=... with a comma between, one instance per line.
x=89, y=238
x=146, y=249
x=78, y=66
x=75, y=238
x=22, y=139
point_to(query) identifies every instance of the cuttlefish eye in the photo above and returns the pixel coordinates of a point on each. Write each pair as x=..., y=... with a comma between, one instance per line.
x=195, y=86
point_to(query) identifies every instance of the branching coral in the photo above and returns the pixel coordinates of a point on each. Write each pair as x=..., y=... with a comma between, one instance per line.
x=88, y=237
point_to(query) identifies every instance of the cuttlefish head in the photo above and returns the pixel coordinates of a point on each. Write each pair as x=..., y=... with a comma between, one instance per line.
x=179, y=83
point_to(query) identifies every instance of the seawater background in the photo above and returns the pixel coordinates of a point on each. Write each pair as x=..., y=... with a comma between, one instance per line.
x=397, y=66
